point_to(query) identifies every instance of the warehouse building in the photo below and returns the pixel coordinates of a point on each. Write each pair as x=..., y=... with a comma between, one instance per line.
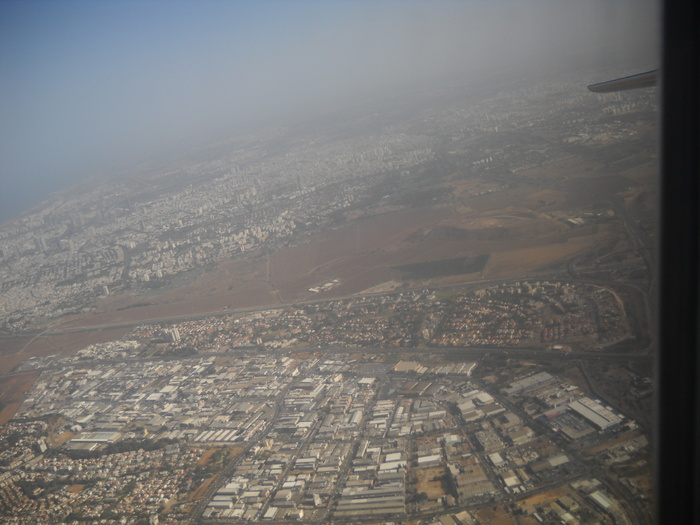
x=598, y=415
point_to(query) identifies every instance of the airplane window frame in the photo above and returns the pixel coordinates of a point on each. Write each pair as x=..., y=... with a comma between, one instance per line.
x=678, y=363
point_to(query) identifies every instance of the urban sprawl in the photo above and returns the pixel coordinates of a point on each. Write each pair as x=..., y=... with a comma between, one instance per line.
x=218, y=419
x=420, y=402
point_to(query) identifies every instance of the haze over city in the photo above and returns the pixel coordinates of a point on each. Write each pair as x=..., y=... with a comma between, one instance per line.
x=92, y=88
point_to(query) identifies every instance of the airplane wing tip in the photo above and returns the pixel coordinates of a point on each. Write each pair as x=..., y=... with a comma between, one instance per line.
x=640, y=80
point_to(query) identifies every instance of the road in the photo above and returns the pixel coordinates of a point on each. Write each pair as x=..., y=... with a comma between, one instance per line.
x=529, y=353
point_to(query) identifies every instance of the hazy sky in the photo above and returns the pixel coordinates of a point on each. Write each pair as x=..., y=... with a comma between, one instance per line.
x=90, y=85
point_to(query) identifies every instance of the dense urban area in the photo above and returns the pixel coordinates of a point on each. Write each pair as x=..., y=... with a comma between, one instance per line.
x=449, y=393
x=194, y=419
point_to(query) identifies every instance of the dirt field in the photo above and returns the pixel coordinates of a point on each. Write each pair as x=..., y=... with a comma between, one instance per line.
x=234, y=451
x=495, y=516
x=545, y=497
x=12, y=390
x=61, y=345
x=201, y=490
x=527, y=520
x=427, y=483
x=11, y=345
x=206, y=457
x=61, y=438
x=543, y=500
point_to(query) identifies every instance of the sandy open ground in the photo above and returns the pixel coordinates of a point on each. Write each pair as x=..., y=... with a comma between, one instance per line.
x=495, y=516
x=12, y=390
x=428, y=483
x=17, y=350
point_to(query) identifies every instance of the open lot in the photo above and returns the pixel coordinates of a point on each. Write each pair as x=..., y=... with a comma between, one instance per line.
x=12, y=390
x=431, y=481
x=495, y=516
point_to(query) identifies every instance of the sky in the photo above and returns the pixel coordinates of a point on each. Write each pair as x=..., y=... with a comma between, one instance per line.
x=90, y=87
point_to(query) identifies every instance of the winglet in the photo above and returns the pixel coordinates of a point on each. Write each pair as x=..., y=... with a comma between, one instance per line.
x=640, y=80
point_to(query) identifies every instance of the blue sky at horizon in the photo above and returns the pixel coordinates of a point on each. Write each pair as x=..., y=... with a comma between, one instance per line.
x=90, y=86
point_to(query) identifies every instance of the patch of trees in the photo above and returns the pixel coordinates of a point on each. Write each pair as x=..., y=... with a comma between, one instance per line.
x=10, y=441
x=130, y=445
x=128, y=488
x=30, y=488
x=126, y=445
x=107, y=514
x=183, y=351
x=417, y=498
